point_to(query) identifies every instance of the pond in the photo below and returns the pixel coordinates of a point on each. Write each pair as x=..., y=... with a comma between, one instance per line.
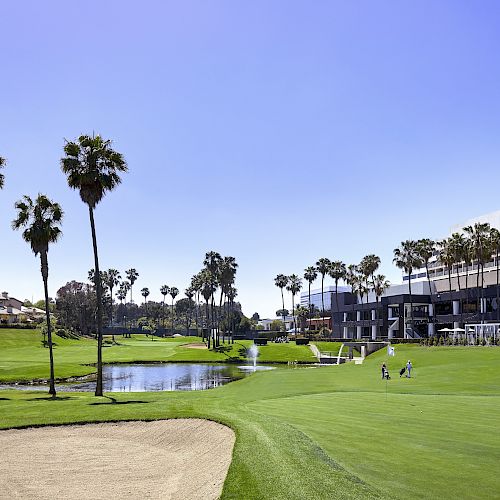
x=161, y=377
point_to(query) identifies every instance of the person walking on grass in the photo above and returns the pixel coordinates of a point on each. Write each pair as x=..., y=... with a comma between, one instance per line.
x=408, y=369
x=384, y=371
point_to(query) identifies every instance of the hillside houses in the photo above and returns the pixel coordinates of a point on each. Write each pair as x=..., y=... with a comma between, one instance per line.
x=13, y=311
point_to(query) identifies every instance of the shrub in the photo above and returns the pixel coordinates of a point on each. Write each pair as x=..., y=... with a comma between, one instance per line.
x=301, y=341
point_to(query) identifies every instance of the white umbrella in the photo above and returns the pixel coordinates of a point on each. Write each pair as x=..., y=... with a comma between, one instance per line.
x=458, y=330
x=445, y=330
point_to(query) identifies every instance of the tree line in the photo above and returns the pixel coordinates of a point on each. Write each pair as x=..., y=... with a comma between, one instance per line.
x=471, y=248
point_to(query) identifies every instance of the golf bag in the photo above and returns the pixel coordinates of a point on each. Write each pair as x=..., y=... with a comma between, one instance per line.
x=402, y=371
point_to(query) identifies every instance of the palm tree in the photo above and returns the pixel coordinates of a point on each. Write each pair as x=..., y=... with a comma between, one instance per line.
x=478, y=235
x=145, y=292
x=227, y=274
x=379, y=285
x=446, y=257
x=323, y=265
x=189, y=293
x=41, y=220
x=213, y=262
x=368, y=266
x=407, y=258
x=132, y=276
x=2, y=165
x=302, y=313
x=173, y=293
x=310, y=274
x=281, y=281
x=208, y=287
x=93, y=167
x=196, y=285
x=122, y=292
x=164, y=290
x=112, y=280
x=495, y=245
x=232, y=292
x=294, y=286
x=425, y=250
x=338, y=271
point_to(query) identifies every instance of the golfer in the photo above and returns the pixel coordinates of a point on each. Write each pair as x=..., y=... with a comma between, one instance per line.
x=408, y=369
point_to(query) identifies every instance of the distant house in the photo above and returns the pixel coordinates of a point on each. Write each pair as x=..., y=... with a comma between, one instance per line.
x=13, y=311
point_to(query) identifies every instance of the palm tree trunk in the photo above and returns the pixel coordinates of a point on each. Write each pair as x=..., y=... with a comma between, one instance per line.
x=337, y=304
x=322, y=303
x=411, y=302
x=45, y=277
x=97, y=278
x=172, y=315
x=309, y=306
x=283, y=310
x=293, y=313
x=207, y=322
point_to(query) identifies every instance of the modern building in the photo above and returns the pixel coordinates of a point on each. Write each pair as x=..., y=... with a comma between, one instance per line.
x=316, y=297
x=471, y=307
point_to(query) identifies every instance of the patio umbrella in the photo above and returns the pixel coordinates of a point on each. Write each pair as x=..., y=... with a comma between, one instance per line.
x=445, y=330
x=458, y=330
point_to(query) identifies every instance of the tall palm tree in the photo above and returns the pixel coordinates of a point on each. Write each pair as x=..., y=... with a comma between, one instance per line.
x=196, y=285
x=281, y=281
x=425, y=250
x=379, y=285
x=174, y=291
x=213, y=262
x=338, y=271
x=40, y=220
x=368, y=266
x=231, y=295
x=323, y=266
x=189, y=293
x=132, y=276
x=495, y=245
x=407, y=258
x=93, y=168
x=294, y=286
x=446, y=257
x=164, y=290
x=227, y=274
x=112, y=280
x=2, y=165
x=121, y=294
x=478, y=236
x=310, y=275
x=145, y=293
x=208, y=287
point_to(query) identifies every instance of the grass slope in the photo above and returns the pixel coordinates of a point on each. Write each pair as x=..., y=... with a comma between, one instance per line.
x=331, y=432
x=22, y=357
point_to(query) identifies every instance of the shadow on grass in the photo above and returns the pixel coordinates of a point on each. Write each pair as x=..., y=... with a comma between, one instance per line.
x=50, y=398
x=4, y=399
x=113, y=401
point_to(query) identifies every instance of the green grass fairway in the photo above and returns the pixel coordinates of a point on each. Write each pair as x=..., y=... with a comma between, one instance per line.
x=22, y=357
x=331, y=432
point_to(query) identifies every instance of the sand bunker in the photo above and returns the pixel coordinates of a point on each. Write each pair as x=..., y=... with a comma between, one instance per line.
x=166, y=459
x=195, y=346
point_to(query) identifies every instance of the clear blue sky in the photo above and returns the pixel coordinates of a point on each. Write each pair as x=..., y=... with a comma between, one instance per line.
x=274, y=131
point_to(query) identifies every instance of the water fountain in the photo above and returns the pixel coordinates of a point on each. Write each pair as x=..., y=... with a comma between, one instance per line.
x=253, y=352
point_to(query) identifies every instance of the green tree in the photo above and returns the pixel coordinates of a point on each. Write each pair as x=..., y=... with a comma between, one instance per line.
x=407, y=258
x=294, y=286
x=281, y=281
x=323, y=266
x=93, y=168
x=41, y=222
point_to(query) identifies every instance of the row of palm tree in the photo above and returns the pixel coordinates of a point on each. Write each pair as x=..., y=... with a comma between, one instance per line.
x=361, y=278
x=474, y=246
x=218, y=275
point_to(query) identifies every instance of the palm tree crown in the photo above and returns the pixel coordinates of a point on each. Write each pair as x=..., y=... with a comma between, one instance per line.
x=92, y=167
x=41, y=219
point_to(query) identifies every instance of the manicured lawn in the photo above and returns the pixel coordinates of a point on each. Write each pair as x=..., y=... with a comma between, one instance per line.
x=331, y=432
x=22, y=357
